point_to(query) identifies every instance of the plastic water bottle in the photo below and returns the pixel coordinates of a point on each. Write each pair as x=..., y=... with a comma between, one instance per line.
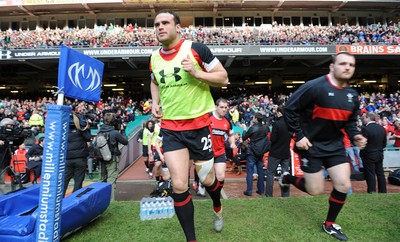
x=156, y=208
x=170, y=207
x=144, y=209
x=153, y=209
x=162, y=209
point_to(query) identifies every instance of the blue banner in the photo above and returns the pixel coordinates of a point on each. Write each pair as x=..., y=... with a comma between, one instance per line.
x=79, y=75
x=53, y=170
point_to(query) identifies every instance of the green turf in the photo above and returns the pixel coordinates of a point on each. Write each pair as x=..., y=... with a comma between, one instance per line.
x=365, y=217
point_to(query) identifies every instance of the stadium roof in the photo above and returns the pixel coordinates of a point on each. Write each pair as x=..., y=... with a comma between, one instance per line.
x=45, y=7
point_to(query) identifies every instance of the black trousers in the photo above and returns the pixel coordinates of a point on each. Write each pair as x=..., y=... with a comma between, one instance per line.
x=373, y=171
x=75, y=168
x=36, y=168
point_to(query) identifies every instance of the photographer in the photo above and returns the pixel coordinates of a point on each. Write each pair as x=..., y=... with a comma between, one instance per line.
x=120, y=119
x=35, y=156
x=110, y=168
x=77, y=151
x=7, y=143
x=30, y=139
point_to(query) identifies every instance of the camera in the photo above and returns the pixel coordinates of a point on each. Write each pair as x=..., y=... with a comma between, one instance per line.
x=14, y=134
x=92, y=119
x=81, y=121
x=119, y=123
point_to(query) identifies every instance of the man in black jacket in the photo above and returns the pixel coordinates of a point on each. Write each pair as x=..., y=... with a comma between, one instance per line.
x=256, y=133
x=372, y=155
x=279, y=153
x=35, y=157
x=116, y=137
x=77, y=153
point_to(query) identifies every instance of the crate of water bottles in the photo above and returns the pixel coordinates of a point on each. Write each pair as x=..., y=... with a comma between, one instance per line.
x=156, y=208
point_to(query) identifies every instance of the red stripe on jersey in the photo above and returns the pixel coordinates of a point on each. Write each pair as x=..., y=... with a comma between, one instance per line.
x=198, y=59
x=331, y=113
x=333, y=84
x=170, y=54
x=189, y=124
x=219, y=129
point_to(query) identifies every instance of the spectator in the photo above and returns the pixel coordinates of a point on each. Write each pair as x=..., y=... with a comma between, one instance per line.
x=35, y=157
x=234, y=113
x=147, y=107
x=256, y=134
x=279, y=153
x=230, y=153
x=371, y=108
x=241, y=154
x=373, y=154
x=36, y=120
x=389, y=128
x=21, y=150
x=396, y=134
x=352, y=152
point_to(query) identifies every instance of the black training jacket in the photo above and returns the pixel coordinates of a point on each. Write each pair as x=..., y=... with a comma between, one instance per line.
x=319, y=110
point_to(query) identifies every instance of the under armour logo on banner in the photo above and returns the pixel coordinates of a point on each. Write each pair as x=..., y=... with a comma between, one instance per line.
x=175, y=74
x=5, y=54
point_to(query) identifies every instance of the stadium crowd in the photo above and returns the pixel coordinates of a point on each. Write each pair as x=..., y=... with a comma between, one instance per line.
x=242, y=108
x=110, y=35
x=30, y=112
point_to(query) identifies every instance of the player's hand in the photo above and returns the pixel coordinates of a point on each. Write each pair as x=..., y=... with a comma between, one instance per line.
x=162, y=158
x=303, y=144
x=1, y=142
x=188, y=65
x=360, y=141
x=233, y=146
x=156, y=111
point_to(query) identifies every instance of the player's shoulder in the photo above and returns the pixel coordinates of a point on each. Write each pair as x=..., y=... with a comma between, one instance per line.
x=198, y=45
x=200, y=48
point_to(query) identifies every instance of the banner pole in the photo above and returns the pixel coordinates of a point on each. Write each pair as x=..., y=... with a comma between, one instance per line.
x=48, y=220
x=60, y=99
